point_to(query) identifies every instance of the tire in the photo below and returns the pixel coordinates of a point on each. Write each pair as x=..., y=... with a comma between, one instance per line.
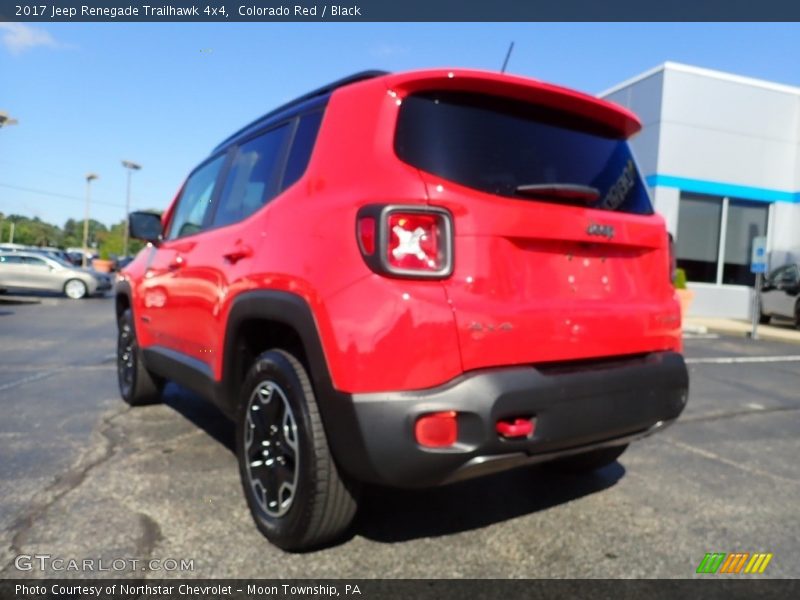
x=137, y=385
x=590, y=461
x=763, y=318
x=281, y=443
x=75, y=289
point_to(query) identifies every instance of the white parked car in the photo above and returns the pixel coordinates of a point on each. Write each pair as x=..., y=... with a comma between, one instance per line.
x=780, y=294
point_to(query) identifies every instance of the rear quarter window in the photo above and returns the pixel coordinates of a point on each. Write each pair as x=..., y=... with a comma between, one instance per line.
x=303, y=144
x=497, y=145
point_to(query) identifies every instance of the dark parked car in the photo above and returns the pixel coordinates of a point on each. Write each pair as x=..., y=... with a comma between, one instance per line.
x=52, y=252
x=121, y=262
x=780, y=294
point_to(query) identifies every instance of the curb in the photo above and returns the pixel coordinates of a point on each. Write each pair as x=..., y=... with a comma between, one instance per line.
x=695, y=329
x=765, y=332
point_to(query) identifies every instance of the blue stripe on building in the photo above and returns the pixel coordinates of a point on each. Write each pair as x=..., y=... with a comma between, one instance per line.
x=715, y=188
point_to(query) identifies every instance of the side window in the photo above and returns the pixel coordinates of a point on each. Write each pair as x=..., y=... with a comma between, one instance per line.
x=195, y=200
x=776, y=275
x=33, y=261
x=253, y=178
x=792, y=275
x=10, y=259
x=302, y=146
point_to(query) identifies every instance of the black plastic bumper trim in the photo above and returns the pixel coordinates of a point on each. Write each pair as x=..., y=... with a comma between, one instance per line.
x=575, y=412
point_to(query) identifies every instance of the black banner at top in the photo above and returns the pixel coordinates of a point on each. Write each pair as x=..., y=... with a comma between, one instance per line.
x=177, y=11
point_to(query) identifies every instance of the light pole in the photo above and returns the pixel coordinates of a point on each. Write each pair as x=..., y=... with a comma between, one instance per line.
x=89, y=178
x=5, y=120
x=131, y=167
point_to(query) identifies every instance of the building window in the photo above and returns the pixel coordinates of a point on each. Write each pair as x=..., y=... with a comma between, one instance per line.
x=697, y=244
x=746, y=221
x=715, y=237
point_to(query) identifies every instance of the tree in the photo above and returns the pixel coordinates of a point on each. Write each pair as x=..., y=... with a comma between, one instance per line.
x=112, y=242
x=34, y=232
x=73, y=233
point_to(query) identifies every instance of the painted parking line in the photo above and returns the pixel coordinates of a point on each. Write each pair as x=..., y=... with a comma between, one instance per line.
x=732, y=360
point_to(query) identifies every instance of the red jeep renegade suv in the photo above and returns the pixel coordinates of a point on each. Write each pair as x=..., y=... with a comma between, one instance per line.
x=410, y=279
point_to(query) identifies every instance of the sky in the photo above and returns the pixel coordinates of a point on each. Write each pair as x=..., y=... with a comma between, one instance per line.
x=89, y=95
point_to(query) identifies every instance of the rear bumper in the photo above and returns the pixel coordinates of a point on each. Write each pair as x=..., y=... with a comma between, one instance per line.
x=578, y=407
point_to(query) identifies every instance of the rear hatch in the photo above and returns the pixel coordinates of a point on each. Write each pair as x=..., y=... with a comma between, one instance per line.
x=558, y=255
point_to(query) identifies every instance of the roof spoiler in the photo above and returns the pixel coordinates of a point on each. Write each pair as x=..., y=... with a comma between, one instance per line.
x=616, y=119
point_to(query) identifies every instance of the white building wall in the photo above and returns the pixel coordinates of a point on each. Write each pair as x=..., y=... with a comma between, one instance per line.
x=785, y=234
x=644, y=99
x=796, y=186
x=724, y=135
x=665, y=201
x=725, y=301
x=720, y=130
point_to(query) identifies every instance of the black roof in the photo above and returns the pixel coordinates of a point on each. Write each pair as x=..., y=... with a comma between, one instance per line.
x=318, y=93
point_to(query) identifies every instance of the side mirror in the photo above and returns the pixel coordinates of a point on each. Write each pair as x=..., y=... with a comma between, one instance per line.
x=145, y=226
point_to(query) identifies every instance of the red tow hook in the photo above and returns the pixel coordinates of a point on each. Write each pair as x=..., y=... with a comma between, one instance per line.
x=515, y=428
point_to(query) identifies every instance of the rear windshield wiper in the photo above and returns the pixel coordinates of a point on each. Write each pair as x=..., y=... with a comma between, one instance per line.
x=566, y=191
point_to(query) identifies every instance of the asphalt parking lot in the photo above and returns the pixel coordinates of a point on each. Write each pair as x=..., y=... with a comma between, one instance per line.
x=83, y=476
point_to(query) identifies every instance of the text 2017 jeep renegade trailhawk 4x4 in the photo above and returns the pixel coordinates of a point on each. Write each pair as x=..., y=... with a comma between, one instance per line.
x=410, y=279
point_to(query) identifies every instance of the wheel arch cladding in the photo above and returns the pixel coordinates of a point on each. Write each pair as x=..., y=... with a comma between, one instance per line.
x=288, y=318
x=122, y=300
x=265, y=319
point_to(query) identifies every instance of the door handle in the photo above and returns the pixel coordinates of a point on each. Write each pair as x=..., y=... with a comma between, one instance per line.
x=238, y=253
x=176, y=263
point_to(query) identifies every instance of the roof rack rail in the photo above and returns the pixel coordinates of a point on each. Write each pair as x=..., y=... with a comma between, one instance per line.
x=325, y=89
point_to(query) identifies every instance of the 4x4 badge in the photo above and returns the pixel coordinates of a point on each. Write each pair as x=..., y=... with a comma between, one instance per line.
x=606, y=231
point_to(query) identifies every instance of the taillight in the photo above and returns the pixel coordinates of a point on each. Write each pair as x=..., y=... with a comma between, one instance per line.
x=673, y=263
x=406, y=241
x=415, y=242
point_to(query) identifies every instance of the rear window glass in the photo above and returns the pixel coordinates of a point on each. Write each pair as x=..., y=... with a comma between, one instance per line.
x=500, y=146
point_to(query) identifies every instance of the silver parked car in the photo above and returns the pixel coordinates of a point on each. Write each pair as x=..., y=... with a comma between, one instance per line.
x=29, y=270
